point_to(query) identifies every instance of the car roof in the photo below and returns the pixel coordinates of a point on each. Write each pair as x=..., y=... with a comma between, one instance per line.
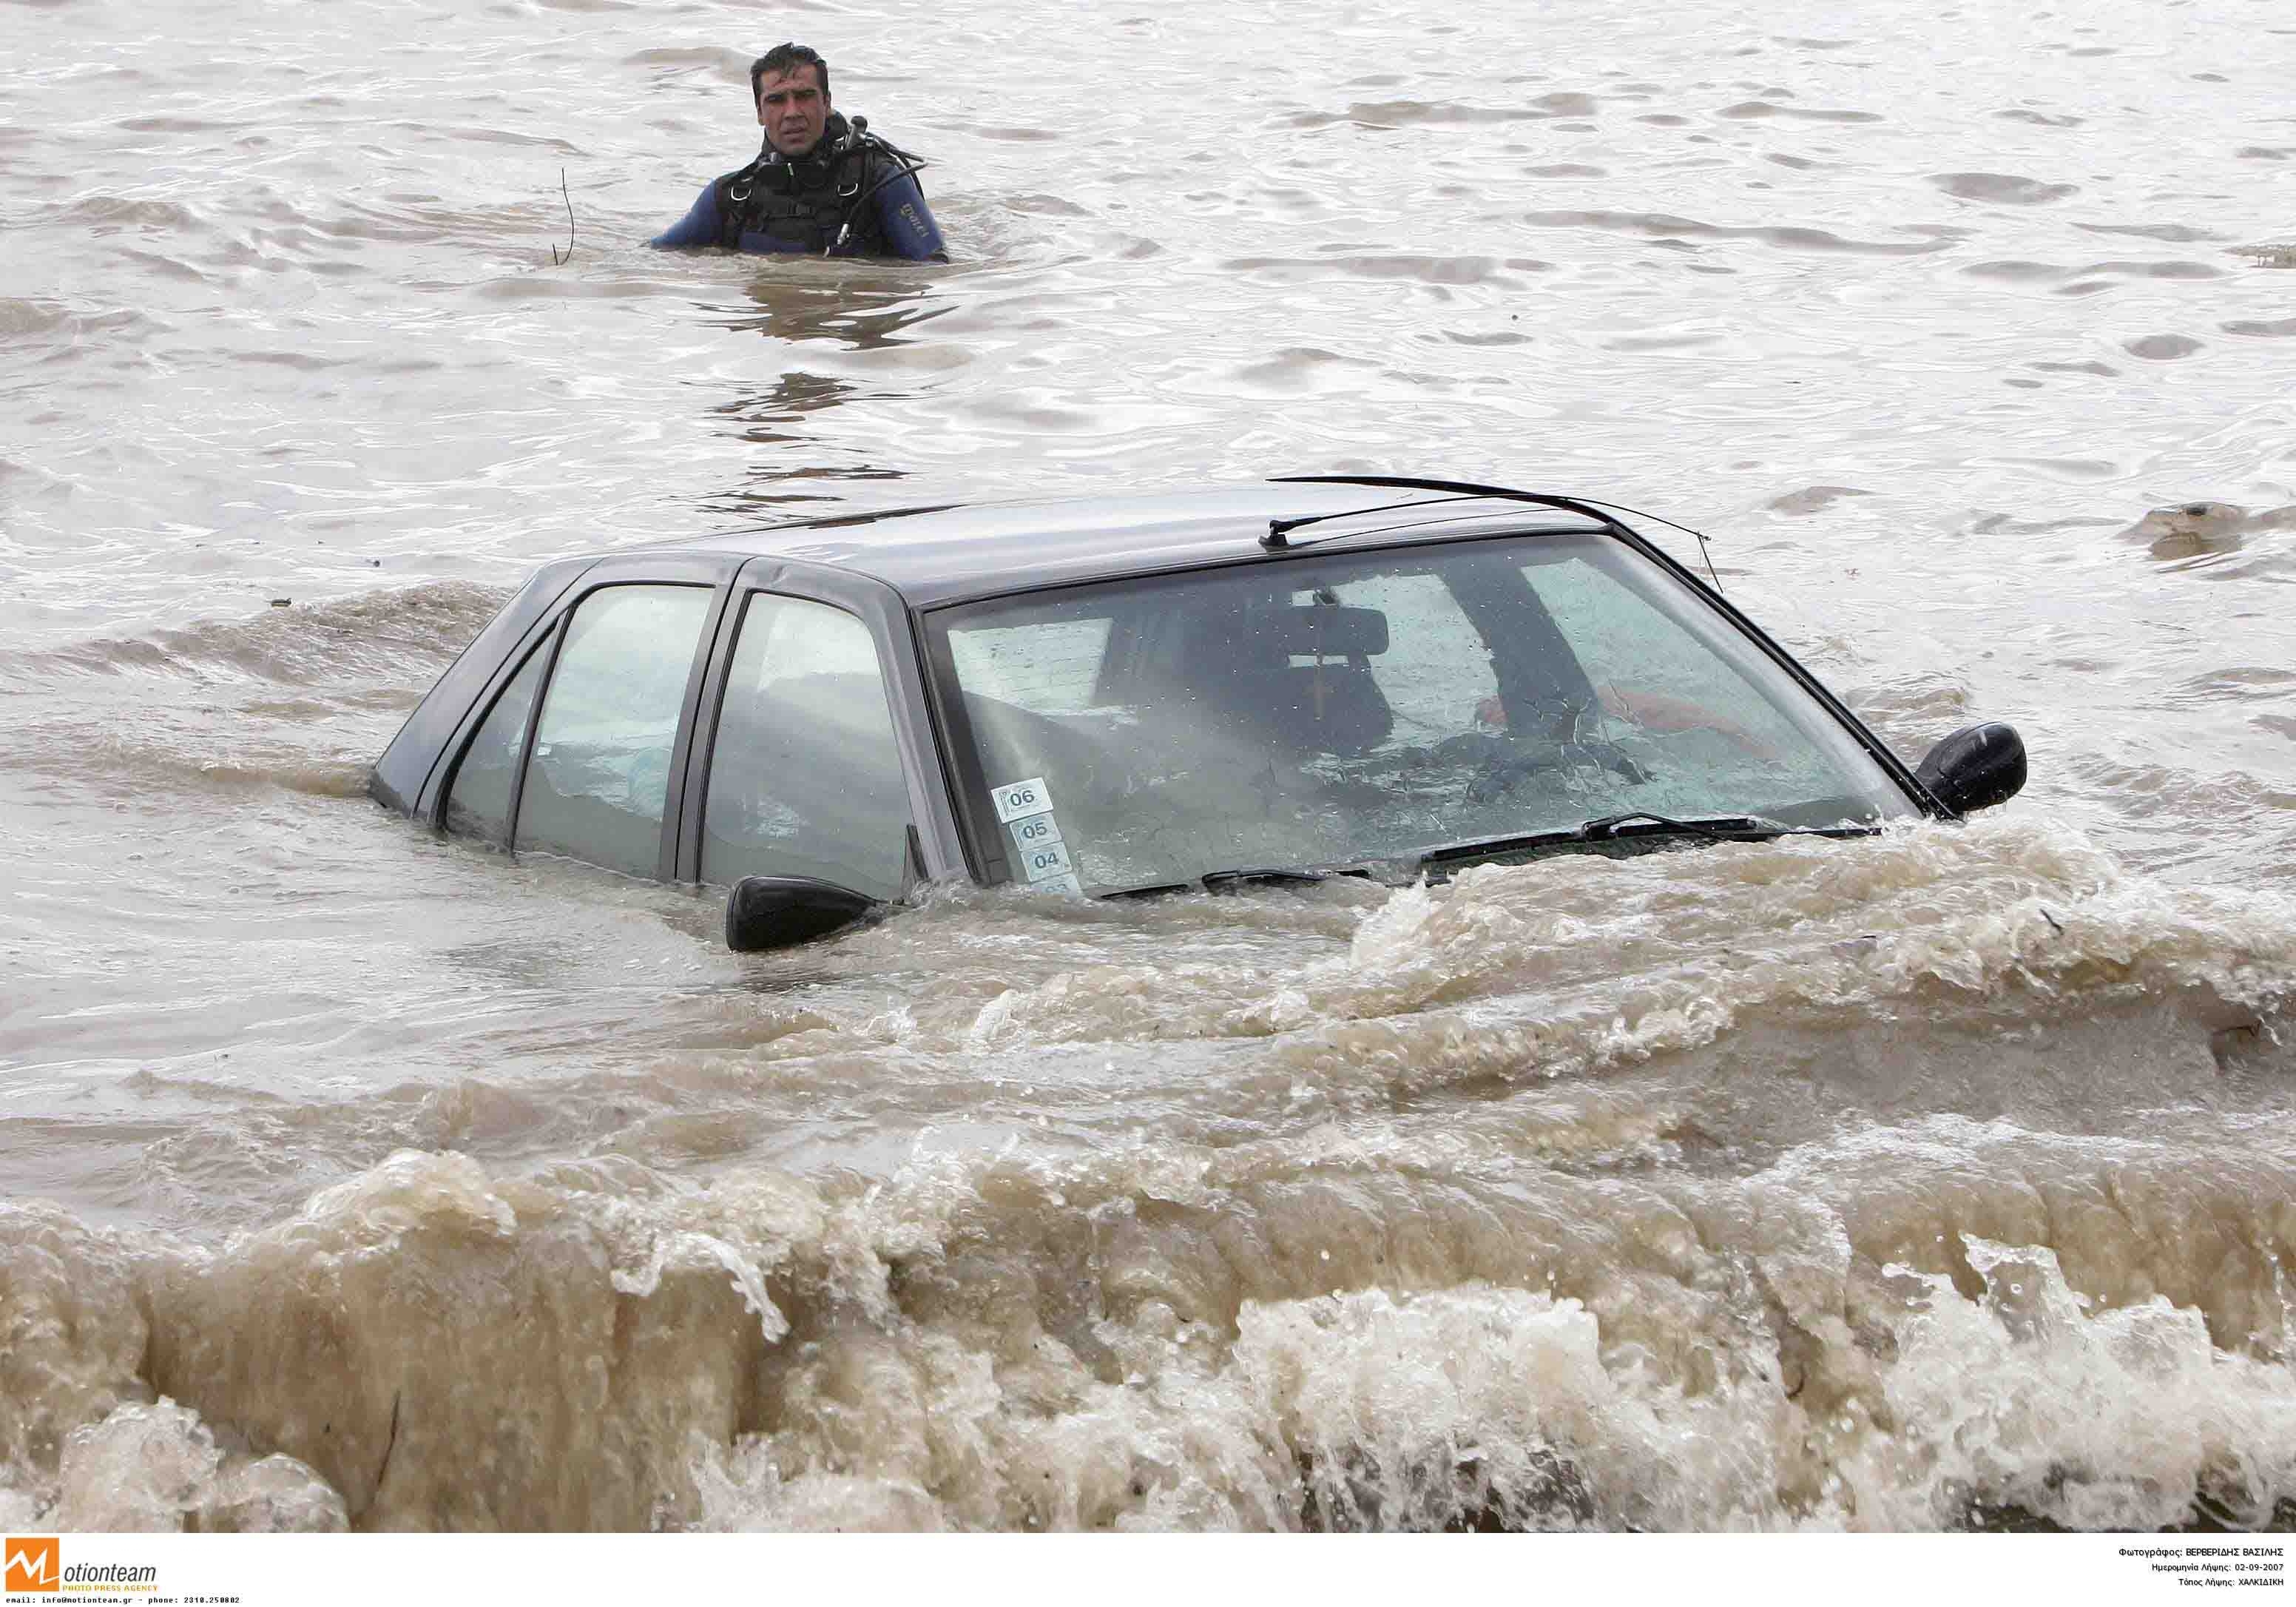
x=939, y=555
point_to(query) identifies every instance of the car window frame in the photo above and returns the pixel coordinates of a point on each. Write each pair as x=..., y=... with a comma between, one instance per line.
x=712, y=571
x=938, y=848
x=441, y=725
x=544, y=651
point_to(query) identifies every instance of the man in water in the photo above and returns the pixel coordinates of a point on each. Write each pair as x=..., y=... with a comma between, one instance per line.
x=822, y=186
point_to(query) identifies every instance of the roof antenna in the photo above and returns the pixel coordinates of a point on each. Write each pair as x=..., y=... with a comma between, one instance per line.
x=1276, y=541
x=1706, y=552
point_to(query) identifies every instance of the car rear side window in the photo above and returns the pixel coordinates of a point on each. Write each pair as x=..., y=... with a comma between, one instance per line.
x=806, y=779
x=480, y=804
x=599, y=779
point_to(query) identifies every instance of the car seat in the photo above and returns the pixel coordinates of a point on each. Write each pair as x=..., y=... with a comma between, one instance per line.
x=1238, y=664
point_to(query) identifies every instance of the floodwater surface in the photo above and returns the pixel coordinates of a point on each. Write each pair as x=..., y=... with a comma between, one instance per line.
x=351, y=1176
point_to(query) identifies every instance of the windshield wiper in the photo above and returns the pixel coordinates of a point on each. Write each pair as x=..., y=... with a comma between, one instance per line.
x=1229, y=882
x=1225, y=881
x=1635, y=824
x=1221, y=881
x=1727, y=828
x=1639, y=824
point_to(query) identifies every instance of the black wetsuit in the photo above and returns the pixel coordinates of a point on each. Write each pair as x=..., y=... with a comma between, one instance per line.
x=849, y=197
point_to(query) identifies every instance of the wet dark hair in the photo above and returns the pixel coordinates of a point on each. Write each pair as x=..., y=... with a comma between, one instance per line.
x=785, y=59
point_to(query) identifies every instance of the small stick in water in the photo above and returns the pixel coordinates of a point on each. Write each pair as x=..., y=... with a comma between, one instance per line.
x=556, y=260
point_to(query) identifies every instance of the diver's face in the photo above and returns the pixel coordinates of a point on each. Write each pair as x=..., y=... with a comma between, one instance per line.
x=793, y=109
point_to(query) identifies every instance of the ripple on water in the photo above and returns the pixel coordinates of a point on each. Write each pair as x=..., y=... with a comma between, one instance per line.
x=2175, y=233
x=101, y=214
x=1758, y=111
x=1425, y=270
x=2162, y=349
x=1813, y=499
x=731, y=65
x=1660, y=226
x=343, y=640
x=2004, y=189
x=1298, y=370
x=2017, y=271
x=1408, y=114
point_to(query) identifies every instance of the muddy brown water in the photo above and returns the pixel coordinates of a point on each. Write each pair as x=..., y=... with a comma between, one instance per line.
x=349, y=1177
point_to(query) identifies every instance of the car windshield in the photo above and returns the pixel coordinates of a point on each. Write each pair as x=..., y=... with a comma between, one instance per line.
x=1340, y=708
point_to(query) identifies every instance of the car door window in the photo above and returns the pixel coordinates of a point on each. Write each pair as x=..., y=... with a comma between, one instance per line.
x=599, y=779
x=478, y=805
x=806, y=778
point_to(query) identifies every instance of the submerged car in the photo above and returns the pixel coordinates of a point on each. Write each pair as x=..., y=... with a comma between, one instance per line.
x=1279, y=682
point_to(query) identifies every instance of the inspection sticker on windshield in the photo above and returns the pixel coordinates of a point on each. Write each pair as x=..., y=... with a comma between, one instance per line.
x=1050, y=860
x=1026, y=809
x=1036, y=831
x=1016, y=798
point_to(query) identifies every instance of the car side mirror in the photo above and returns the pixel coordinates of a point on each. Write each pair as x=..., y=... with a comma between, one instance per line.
x=778, y=912
x=1975, y=767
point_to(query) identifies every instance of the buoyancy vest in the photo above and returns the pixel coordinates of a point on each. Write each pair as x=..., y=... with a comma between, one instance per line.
x=803, y=203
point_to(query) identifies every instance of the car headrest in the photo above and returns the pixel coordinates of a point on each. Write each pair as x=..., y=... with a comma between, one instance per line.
x=1332, y=708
